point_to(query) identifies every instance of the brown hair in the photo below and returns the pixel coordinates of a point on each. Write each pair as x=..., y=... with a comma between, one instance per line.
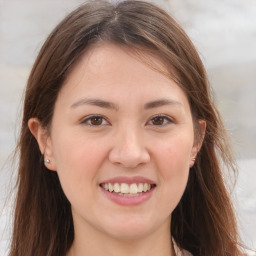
x=204, y=221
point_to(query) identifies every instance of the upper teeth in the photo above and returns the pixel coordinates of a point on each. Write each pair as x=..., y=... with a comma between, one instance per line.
x=125, y=188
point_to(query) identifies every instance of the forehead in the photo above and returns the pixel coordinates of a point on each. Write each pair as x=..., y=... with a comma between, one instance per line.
x=103, y=57
x=109, y=70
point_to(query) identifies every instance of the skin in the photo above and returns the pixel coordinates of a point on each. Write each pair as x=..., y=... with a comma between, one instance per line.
x=127, y=140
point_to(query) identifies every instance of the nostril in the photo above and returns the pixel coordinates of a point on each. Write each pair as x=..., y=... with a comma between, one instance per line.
x=129, y=158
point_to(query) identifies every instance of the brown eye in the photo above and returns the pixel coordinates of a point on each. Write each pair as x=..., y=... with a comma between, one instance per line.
x=160, y=120
x=95, y=121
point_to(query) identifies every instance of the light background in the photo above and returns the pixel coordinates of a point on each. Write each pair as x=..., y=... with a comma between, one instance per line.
x=224, y=31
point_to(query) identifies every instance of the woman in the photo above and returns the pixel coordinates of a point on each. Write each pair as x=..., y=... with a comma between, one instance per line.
x=121, y=148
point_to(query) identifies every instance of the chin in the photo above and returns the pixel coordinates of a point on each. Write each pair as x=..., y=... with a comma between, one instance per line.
x=130, y=233
x=130, y=229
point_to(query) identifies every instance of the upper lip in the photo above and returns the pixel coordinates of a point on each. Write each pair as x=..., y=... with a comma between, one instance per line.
x=128, y=180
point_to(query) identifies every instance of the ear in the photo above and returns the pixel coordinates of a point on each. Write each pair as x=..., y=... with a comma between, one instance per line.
x=44, y=142
x=198, y=141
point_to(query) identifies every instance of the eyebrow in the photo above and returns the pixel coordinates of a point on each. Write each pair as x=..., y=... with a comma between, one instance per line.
x=160, y=103
x=95, y=102
x=111, y=105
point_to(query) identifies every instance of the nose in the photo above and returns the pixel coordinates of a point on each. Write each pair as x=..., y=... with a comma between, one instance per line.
x=129, y=149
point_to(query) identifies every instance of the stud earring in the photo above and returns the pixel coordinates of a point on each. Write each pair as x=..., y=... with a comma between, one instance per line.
x=193, y=159
x=46, y=161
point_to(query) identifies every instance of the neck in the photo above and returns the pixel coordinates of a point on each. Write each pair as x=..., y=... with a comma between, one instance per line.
x=95, y=243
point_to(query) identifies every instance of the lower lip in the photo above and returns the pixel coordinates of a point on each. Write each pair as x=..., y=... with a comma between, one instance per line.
x=128, y=200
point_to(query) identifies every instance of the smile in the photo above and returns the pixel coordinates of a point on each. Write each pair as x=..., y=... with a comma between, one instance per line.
x=125, y=189
x=128, y=191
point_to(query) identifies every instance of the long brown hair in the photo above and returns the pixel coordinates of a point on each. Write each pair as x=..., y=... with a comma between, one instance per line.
x=203, y=222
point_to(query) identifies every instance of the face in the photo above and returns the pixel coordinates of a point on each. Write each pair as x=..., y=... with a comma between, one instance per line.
x=122, y=142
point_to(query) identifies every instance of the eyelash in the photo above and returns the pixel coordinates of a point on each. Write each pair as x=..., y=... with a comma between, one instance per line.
x=167, y=120
x=88, y=120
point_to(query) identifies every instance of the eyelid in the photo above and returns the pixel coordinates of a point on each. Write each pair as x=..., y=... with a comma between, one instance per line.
x=166, y=117
x=90, y=117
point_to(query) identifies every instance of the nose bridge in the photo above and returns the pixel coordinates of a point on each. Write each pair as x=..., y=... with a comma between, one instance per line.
x=129, y=147
x=130, y=141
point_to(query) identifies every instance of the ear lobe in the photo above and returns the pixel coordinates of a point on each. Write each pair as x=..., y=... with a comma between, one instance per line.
x=44, y=141
x=198, y=141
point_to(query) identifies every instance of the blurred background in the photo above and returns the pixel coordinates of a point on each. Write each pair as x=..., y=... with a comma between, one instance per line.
x=224, y=32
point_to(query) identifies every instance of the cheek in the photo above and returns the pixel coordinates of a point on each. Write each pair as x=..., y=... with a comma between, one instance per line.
x=173, y=160
x=77, y=153
x=78, y=164
x=174, y=156
x=175, y=170
x=78, y=161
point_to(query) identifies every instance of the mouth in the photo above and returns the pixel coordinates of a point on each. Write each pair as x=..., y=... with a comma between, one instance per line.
x=127, y=189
